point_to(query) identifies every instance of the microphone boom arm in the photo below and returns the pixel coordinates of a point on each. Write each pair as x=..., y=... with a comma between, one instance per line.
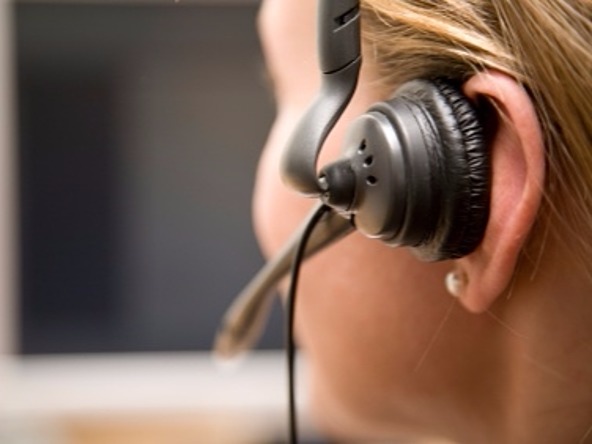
x=245, y=319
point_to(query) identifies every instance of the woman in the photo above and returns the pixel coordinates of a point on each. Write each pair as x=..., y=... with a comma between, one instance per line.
x=502, y=353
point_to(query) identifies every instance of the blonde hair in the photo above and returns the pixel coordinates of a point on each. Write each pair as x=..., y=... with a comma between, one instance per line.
x=544, y=44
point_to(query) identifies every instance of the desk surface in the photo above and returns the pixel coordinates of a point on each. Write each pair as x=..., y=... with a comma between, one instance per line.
x=125, y=398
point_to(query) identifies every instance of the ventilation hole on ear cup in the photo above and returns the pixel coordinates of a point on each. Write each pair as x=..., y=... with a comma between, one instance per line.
x=368, y=161
x=371, y=180
x=362, y=146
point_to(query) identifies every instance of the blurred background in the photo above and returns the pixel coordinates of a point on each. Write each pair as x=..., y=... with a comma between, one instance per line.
x=130, y=132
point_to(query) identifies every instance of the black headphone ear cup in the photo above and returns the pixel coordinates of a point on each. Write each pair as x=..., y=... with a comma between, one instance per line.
x=464, y=175
x=415, y=172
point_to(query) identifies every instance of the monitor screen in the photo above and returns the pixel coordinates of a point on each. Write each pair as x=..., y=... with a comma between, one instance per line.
x=139, y=126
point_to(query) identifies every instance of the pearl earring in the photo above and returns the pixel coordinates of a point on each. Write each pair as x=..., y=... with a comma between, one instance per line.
x=456, y=282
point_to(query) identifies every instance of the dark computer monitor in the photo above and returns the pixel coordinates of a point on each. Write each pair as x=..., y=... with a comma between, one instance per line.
x=138, y=129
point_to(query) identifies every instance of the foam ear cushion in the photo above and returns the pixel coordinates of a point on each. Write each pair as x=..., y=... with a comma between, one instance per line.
x=464, y=175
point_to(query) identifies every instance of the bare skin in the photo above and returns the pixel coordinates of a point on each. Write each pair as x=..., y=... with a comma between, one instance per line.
x=391, y=353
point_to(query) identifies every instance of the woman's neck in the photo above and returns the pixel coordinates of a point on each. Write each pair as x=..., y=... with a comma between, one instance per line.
x=548, y=345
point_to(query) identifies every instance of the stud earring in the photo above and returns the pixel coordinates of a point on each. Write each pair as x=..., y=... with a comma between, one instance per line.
x=456, y=282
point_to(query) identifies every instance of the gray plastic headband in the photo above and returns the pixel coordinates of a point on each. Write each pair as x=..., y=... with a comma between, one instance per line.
x=340, y=61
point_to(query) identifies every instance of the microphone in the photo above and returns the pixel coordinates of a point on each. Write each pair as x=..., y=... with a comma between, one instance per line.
x=245, y=319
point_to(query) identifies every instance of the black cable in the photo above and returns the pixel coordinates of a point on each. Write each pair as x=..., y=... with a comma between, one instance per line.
x=290, y=311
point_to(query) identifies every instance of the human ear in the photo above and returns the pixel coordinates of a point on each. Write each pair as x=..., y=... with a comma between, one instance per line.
x=517, y=176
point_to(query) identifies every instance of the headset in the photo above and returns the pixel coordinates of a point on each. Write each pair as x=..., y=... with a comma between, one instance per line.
x=414, y=170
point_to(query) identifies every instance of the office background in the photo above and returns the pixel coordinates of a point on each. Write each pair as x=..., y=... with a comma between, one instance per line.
x=129, y=137
x=139, y=128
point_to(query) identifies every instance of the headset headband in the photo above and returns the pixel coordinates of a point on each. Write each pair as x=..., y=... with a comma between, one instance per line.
x=340, y=60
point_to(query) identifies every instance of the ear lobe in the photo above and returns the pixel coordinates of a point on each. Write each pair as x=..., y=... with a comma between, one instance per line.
x=518, y=171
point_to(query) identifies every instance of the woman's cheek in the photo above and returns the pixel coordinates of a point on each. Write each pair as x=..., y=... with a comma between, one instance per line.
x=277, y=210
